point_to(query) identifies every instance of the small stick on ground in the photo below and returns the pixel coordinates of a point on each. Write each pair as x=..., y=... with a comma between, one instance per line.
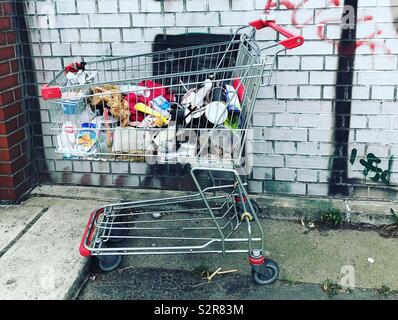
x=213, y=274
x=227, y=271
x=210, y=277
x=130, y=267
x=199, y=284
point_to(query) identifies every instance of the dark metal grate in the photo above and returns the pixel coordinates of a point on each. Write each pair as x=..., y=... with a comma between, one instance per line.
x=201, y=59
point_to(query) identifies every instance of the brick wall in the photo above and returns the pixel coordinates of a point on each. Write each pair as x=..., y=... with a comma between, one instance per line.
x=307, y=140
x=16, y=167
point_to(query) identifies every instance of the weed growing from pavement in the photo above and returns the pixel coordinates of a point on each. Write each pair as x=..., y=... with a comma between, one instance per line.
x=384, y=291
x=331, y=288
x=289, y=282
x=390, y=230
x=332, y=217
x=394, y=216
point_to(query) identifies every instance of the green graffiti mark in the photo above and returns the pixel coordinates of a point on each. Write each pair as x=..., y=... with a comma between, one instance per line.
x=370, y=167
x=353, y=155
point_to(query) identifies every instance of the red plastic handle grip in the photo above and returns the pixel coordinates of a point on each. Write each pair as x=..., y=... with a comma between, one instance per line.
x=93, y=216
x=292, y=40
x=49, y=93
x=280, y=29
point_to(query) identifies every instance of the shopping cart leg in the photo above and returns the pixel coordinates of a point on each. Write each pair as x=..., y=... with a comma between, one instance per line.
x=247, y=204
x=200, y=190
x=264, y=271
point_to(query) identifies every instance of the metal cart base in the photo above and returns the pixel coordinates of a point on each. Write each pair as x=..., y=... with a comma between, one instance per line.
x=176, y=225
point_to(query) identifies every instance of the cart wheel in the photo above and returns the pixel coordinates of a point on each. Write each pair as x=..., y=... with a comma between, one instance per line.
x=109, y=263
x=256, y=207
x=270, y=277
x=118, y=233
x=187, y=168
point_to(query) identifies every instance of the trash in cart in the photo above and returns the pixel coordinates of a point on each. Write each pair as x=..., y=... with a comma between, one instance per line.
x=127, y=111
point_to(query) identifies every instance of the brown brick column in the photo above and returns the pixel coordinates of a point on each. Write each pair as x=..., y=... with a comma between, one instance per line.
x=15, y=176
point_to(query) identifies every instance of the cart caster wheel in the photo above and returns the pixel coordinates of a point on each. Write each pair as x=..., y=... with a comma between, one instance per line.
x=256, y=207
x=109, y=263
x=271, y=275
x=187, y=168
x=118, y=233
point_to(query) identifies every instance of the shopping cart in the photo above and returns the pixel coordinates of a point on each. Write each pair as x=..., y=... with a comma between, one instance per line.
x=190, y=106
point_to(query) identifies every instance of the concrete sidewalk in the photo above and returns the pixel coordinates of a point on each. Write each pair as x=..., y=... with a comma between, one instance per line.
x=39, y=257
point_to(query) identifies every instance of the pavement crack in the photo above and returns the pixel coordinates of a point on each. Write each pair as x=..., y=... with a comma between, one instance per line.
x=66, y=197
x=27, y=227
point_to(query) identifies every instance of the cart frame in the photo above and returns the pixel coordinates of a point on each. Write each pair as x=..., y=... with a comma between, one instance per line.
x=204, y=222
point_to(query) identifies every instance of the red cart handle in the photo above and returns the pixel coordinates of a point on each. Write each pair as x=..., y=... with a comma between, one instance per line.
x=93, y=216
x=49, y=93
x=292, y=40
x=54, y=92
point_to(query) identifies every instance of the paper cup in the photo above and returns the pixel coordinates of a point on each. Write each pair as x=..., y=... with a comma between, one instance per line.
x=216, y=112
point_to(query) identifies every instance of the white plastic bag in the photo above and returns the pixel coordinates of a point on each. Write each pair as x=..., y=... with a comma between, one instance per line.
x=130, y=140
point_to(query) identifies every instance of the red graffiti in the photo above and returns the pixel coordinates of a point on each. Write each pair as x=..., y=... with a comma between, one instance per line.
x=286, y=3
x=367, y=41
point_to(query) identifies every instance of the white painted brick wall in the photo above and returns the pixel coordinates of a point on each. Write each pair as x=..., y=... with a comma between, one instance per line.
x=108, y=6
x=81, y=166
x=69, y=35
x=293, y=134
x=288, y=63
x=151, y=6
x=218, y=5
x=307, y=175
x=49, y=35
x=68, y=21
x=284, y=147
x=128, y=6
x=153, y=20
x=308, y=148
x=87, y=6
x=60, y=50
x=286, y=92
x=112, y=35
x=88, y=35
x=383, y=92
x=285, y=120
x=120, y=167
x=282, y=174
x=198, y=19
x=65, y=6
x=90, y=49
x=310, y=92
x=196, y=5
x=243, y=5
x=358, y=121
x=262, y=173
x=318, y=189
x=125, y=49
x=109, y=20
x=173, y=6
x=132, y=34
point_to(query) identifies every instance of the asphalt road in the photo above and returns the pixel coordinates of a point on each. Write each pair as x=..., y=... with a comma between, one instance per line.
x=129, y=283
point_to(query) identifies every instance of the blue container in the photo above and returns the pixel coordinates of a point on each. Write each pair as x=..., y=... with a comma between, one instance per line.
x=70, y=106
x=74, y=105
x=88, y=125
